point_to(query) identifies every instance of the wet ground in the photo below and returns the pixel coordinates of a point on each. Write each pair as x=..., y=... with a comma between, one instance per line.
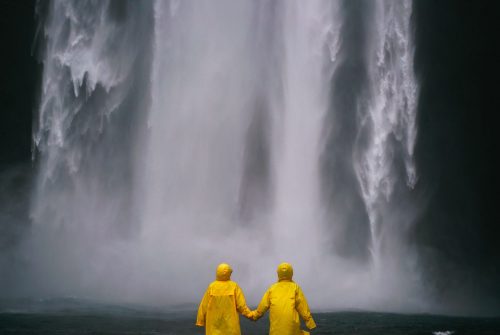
x=79, y=319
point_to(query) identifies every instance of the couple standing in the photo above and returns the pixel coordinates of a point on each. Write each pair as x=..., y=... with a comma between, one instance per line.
x=224, y=299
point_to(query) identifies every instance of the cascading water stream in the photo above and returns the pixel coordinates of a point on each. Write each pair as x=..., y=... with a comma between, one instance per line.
x=311, y=37
x=202, y=102
x=173, y=135
x=389, y=123
x=95, y=57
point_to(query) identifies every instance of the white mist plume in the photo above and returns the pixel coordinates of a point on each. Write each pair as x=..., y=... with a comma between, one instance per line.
x=144, y=160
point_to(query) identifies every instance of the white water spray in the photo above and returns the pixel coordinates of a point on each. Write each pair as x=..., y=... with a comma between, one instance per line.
x=310, y=43
x=389, y=125
x=178, y=134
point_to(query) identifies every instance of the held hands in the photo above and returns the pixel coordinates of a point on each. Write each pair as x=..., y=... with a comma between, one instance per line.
x=253, y=316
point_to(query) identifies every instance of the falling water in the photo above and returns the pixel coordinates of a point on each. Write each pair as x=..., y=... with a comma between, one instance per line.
x=310, y=46
x=95, y=80
x=173, y=135
x=388, y=127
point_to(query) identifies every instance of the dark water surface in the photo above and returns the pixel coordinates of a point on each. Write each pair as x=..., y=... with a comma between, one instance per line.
x=74, y=317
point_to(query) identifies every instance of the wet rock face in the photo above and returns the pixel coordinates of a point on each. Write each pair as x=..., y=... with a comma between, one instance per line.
x=454, y=62
x=18, y=83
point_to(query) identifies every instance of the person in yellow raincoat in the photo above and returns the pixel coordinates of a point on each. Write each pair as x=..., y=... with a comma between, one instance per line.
x=222, y=302
x=286, y=302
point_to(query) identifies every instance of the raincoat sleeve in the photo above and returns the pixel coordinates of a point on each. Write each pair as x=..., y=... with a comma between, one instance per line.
x=202, y=310
x=241, y=305
x=263, y=306
x=303, y=309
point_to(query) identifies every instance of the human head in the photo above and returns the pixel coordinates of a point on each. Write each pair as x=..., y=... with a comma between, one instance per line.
x=223, y=272
x=285, y=271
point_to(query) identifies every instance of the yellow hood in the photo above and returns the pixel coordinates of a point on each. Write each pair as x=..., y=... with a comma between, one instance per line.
x=223, y=272
x=285, y=271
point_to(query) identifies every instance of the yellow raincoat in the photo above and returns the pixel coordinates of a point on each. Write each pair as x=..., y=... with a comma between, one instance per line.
x=220, y=305
x=285, y=301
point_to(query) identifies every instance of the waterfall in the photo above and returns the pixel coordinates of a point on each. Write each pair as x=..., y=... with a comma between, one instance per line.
x=94, y=84
x=173, y=135
x=204, y=92
x=388, y=128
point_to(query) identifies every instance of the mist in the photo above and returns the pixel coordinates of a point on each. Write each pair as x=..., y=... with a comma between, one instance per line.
x=171, y=136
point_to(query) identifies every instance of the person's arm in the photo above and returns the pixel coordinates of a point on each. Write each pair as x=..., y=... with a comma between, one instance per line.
x=303, y=309
x=202, y=310
x=263, y=305
x=241, y=305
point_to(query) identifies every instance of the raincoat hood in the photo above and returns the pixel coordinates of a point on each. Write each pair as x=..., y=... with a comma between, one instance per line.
x=223, y=272
x=285, y=271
